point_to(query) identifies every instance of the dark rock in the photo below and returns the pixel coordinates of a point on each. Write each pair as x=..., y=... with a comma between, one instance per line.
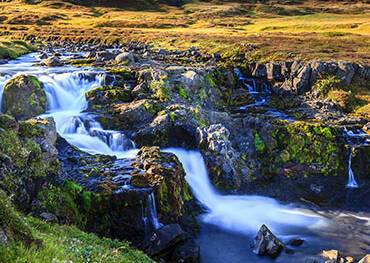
x=295, y=242
x=164, y=240
x=345, y=72
x=49, y=217
x=3, y=61
x=267, y=244
x=260, y=71
x=274, y=72
x=188, y=252
x=102, y=56
x=24, y=97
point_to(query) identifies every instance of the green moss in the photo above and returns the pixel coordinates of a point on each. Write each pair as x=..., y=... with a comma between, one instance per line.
x=196, y=112
x=182, y=92
x=152, y=107
x=11, y=222
x=160, y=88
x=309, y=144
x=259, y=143
x=324, y=85
x=14, y=49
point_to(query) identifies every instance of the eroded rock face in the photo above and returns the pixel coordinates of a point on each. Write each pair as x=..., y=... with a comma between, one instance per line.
x=164, y=173
x=220, y=155
x=24, y=97
x=267, y=244
x=28, y=157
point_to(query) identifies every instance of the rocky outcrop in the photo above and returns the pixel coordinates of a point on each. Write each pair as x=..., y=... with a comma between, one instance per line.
x=298, y=77
x=221, y=157
x=24, y=97
x=126, y=58
x=164, y=173
x=266, y=243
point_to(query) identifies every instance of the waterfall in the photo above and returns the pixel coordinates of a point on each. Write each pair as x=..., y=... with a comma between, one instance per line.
x=251, y=85
x=351, y=177
x=150, y=217
x=3, y=79
x=239, y=213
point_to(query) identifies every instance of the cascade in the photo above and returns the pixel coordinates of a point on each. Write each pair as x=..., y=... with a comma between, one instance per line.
x=351, y=177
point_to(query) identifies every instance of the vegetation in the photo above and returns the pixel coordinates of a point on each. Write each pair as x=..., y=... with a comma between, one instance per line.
x=14, y=49
x=274, y=30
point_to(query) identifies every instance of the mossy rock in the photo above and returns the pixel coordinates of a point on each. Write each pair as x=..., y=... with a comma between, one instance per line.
x=24, y=97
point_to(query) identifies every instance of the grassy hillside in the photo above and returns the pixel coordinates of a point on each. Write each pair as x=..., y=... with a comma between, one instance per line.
x=276, y=30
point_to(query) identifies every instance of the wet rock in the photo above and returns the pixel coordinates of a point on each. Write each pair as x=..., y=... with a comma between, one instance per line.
x=3, y=61
x=52, y=62
x=125, y=57
x=220, y=155
x=44, y=55
x=267, y=244
x=164, y=240
x=189, y=252
x=24, y=97
x=295, y=242
x=331, y=254
x=365, y=259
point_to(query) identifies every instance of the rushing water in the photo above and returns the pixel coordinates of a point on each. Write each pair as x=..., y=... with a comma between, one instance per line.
x=66, y=87
x=351, y=177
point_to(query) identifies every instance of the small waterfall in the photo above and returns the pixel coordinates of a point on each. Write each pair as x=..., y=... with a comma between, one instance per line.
x=351, y=177
x=3, y=80
x=251, y=85
x=240, y=213
x=150, y=217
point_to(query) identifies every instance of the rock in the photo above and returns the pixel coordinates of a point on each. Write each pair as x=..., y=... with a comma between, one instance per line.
x=260, y=71
x=164, y=173
x=44, y=55
x=301, y=83
x=24, y=97
x=267, y=244
x=295, y=242
x=164, y=240
x=3, y=61
x=49, y=217
x=52, y=62
x=125, y=57
x=102, y=56
x=191, y=80
x=189, y=252
x=220, y=155
x=3, y=237
x=345, y=73
x=365, y=259
x=274, y=72
x=331, y=255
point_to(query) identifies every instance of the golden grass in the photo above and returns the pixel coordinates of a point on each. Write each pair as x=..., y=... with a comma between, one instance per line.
x=310, y=30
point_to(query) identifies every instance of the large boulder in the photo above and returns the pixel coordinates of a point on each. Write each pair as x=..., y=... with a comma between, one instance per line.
x=164, y=173
x=126, y=58
x=220, y=156
x=365, y=259
x=24, y=97
x=267, y=244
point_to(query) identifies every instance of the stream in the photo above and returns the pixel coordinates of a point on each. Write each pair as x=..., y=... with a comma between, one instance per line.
x=229, y=222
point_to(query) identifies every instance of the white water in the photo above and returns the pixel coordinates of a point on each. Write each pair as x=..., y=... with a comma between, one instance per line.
x=351, y=177
x=66, y=102
x=240, y=213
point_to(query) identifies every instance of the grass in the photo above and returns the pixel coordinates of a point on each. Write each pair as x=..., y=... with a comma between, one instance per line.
x=274, y=31
x=13, y=49
x=68, y=244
